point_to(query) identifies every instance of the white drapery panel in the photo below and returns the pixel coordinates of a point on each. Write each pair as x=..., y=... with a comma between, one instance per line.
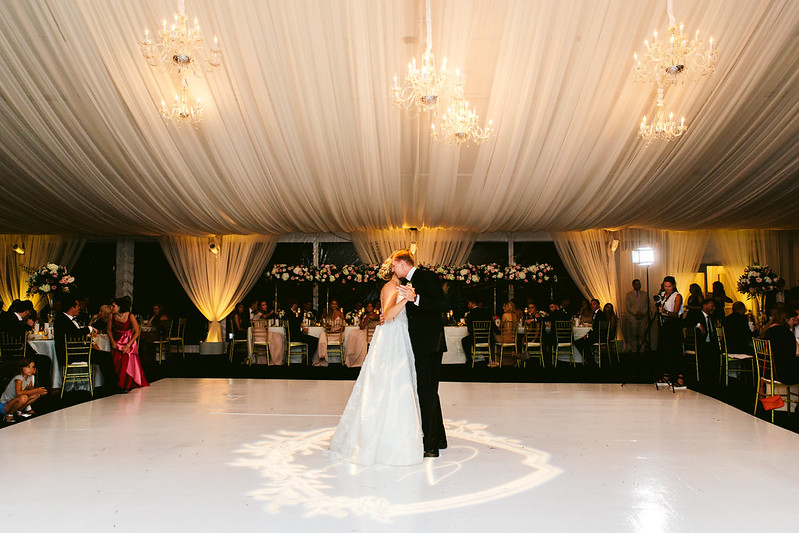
x=433, y=246
x=39, y=250
x=591, y=264
x=300, y=135
x=216, y=282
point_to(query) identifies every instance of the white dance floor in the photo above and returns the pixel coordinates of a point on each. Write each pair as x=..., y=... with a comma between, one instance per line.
x=247, y=455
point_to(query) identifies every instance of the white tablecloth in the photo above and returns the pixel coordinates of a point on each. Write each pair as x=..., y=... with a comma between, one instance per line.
x=578, y=332
x=47, y=347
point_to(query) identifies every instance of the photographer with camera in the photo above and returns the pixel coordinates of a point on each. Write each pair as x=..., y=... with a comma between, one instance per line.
x=669, y=306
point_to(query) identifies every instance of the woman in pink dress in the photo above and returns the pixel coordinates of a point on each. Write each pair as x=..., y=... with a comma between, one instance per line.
x=123, y=331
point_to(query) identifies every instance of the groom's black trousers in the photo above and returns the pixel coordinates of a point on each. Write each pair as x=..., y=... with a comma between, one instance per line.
x=428, y=372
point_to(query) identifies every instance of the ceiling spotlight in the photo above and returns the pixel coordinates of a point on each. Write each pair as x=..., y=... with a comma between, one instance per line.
x=19, y=248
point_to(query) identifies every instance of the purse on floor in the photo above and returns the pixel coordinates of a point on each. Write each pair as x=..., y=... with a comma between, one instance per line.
x=769, y=402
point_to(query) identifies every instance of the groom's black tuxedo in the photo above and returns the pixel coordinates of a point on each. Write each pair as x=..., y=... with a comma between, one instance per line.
x=426, y=330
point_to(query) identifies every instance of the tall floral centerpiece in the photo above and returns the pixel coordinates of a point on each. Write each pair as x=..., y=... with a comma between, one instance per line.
x=756, y=282
x=49, y=280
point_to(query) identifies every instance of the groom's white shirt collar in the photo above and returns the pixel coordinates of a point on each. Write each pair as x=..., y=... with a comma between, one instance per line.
x=410, y=273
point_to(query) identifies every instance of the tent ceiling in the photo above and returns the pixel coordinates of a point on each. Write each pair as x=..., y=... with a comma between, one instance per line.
x=300, y=135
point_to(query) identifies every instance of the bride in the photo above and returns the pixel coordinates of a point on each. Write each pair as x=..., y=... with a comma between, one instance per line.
x=381, y=423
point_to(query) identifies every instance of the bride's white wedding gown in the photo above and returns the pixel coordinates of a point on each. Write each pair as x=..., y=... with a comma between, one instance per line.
x=382, y=423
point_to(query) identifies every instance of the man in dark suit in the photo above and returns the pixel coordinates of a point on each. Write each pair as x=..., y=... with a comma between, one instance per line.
x=476, y=313
x=17, y=322
x=586, y=344
x=707, y=343
x=737, y=332
x=297, y=332
x=427, y=303
x=66, y=325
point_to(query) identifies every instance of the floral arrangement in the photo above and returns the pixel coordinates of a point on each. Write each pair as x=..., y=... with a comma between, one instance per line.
x=757, y=280
x=468, y=274
x=50, y=278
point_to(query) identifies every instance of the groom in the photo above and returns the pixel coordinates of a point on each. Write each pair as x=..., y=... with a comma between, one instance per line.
x=427, y=302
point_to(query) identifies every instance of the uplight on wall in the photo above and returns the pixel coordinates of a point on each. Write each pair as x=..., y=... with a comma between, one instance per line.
x=19, y=248
x=213, y=246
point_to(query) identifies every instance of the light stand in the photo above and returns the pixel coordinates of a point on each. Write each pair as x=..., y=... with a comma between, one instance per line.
x=645, y=256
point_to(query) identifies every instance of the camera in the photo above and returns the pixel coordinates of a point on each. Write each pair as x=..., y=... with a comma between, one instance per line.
x=658, y=298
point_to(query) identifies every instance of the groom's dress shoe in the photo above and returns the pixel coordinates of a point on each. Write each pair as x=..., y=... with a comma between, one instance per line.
x=431, y=453
x=442, y=445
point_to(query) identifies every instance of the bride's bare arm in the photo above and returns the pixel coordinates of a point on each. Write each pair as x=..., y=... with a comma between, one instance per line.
x=389, y=303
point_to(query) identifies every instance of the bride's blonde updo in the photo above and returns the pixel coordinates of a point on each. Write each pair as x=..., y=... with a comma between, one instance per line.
x=385, y=271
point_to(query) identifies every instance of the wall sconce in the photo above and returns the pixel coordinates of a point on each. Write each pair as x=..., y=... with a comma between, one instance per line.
x=19, y=248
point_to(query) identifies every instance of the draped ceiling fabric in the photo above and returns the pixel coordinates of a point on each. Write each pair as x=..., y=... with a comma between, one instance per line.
x=39, y=250
x=433, y=246
x=300, y=135
x=216, y=282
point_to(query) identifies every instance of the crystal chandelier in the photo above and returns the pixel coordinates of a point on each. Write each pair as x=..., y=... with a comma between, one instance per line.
x=674, y=60
x=181, y=112
x=459, y=125
x=425, y=83
x=180, y=48
x=662, y=129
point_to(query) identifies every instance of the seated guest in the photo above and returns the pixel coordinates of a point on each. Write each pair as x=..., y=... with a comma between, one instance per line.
x=737, y=330
x=240, y=322
x=65, y=326
x=585, y=314
x=783, y=345
x=297, y=332
x=18, y=321
x=507, y=334
x=586, y=344
x=264, y=313
x=477, y=313
x=83, y=311
x=309, y=312
x=370, y=315
x=334, y=315
x=556, y=314
x=531, y=314
x=253, y=309
x=100, y=320
x=159, y=320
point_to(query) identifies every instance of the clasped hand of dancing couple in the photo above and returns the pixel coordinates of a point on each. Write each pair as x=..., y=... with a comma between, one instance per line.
x=393, y=416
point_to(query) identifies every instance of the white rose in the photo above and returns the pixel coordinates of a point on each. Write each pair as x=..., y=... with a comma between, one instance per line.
x=285, y=277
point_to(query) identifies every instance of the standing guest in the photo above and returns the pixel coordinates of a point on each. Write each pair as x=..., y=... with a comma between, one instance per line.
x=586, y=343
x=738, y=330
x=719, y=295
x=670, y=334
x=17, y=321
x=239, y=325
x=707, y=344
x=65, y=326
x=20, y=392
x=693, y=305
x=636, y=309
x=783, y=344
x=123, y=331
x=297, y=331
